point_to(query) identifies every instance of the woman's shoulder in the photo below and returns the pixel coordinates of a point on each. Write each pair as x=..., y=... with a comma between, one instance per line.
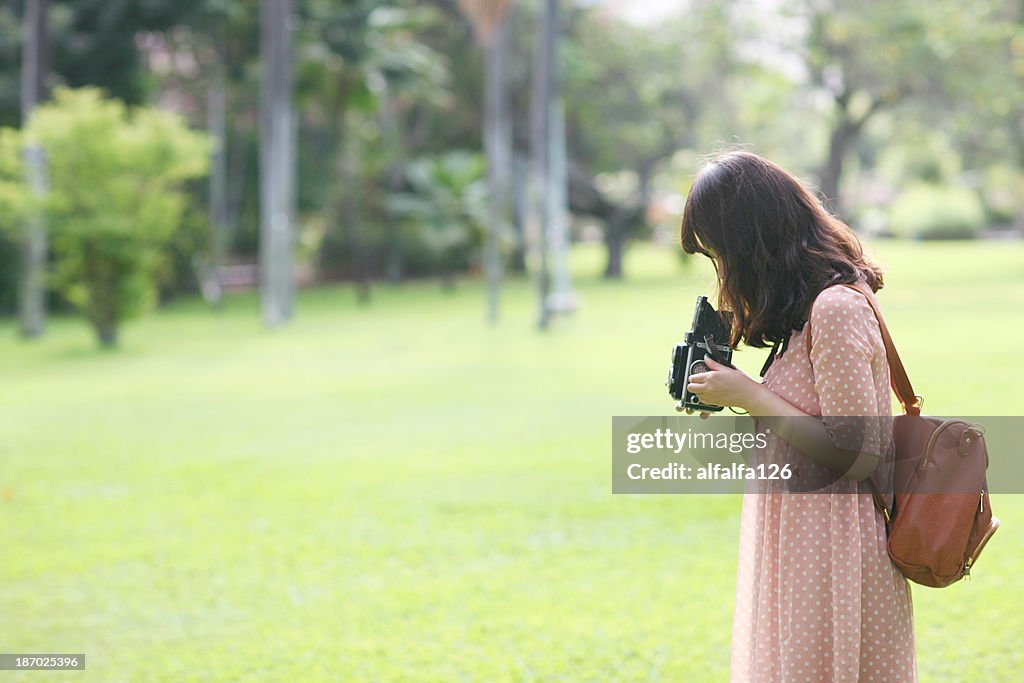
x=844, y=310
x=840, y=300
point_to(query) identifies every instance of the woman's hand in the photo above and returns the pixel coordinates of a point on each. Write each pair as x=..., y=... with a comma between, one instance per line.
x=725, y=386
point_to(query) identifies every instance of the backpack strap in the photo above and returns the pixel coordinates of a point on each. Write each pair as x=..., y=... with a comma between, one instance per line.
x=897, y=373
x=898, y=378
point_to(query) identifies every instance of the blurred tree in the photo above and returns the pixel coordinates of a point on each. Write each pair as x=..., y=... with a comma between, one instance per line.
x=91, y=42
x=10, y=56
x=869, y=55
x=207, y=68
x=277, y=165
x=366, y=72
x=449, y=198
x=984, y=110
x=636, y=97
x=933, y=211
x=34, y=66
x=16, y=201
x=456, y=126
x=217, y=15
x=402, y=72
x=108, y=234
x=549, y=167
x=489, y=18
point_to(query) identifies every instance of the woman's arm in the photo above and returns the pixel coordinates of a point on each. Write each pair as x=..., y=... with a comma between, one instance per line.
x=732, y=387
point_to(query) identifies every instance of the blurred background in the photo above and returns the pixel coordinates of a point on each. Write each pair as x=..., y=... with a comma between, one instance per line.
x=315, y=314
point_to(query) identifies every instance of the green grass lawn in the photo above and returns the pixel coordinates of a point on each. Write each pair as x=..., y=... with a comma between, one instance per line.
x=401, y=493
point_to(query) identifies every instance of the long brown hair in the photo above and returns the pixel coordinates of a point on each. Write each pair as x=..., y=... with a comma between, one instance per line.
x=773, y=244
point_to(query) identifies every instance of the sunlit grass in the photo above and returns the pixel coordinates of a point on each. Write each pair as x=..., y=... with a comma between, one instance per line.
x=401, y=492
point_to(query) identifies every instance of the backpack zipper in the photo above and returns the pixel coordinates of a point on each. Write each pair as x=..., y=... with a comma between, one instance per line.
x=977, y=551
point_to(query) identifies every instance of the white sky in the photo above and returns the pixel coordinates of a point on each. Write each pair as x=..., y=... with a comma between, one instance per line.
x=642, y=11
x=649, y=12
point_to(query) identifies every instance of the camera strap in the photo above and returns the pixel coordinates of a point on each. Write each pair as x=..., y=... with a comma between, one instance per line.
x=712, y=348
x=775, y=352
x=770, y=359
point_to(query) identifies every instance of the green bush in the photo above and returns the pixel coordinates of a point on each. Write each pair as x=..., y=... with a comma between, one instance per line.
x=937, y=212
x=12, y=199
x=448, y=209
x=1002, y=187
x=115, y=200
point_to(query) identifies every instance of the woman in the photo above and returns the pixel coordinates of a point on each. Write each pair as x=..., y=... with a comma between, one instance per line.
x=817, y=597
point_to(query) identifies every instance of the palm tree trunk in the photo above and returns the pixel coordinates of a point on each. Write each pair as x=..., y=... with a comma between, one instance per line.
x=563, y=300
x=391, y=129
x=540, y=139
x=520, y=212
x=551, y=164
x=277, y=158
x=348, y=210
x=217, y=127
x=32, y=292
x=498, y=142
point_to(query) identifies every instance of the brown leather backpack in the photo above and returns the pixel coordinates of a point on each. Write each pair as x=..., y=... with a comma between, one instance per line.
x=941, y=517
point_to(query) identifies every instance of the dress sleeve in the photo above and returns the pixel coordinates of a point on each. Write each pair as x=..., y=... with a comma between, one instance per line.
x=846, y=347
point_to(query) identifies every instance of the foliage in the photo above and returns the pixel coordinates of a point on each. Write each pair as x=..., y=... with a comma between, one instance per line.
x=801, y=82
x=920, y=154
x=868, y=58
x=115, y=198
x=448, y=203
x=1002, y=189
x=15, y=203
x=365, y=76
x=982, y=109
x=13, y=198
x=92, y=42
x=634, y=97
x=927, y=211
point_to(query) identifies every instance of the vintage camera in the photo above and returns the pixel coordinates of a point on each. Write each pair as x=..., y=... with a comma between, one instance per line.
x=708, y=336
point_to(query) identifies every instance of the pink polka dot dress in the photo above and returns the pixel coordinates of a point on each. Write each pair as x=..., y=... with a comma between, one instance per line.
x=817, y=597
